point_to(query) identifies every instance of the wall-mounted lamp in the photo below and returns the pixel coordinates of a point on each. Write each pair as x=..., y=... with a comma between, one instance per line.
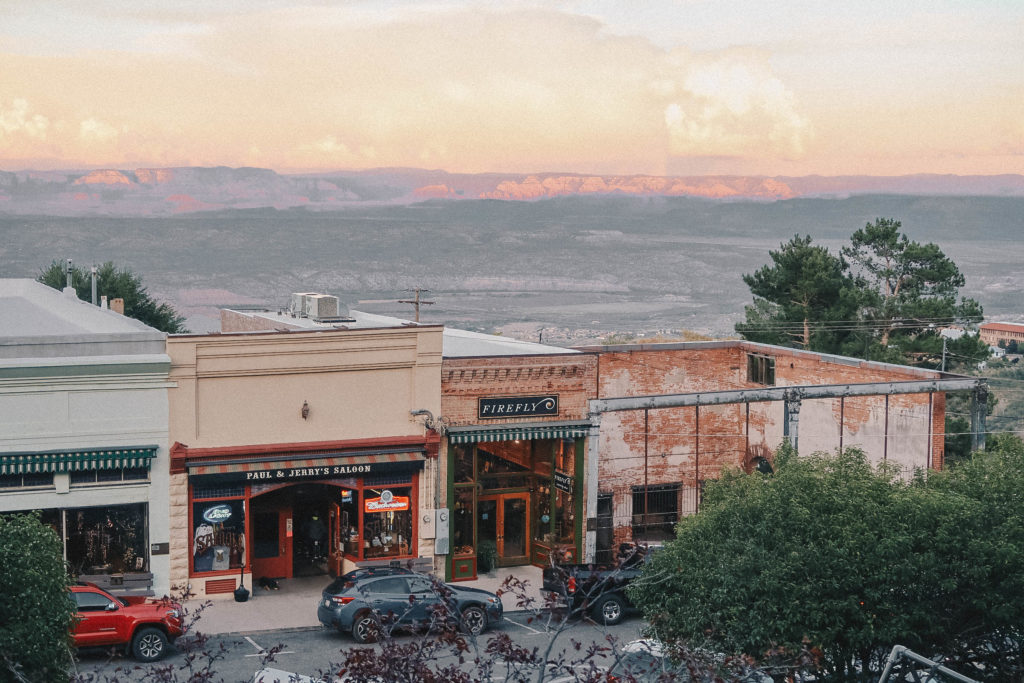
x=305, y=410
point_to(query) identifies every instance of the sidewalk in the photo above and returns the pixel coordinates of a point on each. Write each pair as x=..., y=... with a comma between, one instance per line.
x=294, y=605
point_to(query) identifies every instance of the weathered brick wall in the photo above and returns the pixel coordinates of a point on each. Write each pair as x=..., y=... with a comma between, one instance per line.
x=688, y=445
x=464, y=380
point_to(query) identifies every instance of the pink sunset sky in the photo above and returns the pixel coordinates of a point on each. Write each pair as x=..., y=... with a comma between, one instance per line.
x=588, y=86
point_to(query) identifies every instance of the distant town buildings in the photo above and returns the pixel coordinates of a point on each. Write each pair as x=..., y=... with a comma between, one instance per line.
x=1001, y=334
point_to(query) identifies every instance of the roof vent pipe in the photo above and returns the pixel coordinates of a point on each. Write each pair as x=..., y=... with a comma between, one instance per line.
x=69, y=289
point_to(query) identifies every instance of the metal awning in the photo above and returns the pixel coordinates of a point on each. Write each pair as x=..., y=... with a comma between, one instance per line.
x=513, y=432
x=77, y=460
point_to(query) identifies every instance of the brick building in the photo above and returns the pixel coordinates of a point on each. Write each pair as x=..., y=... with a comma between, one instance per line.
x=995, y=333
x=516, y=418
x=672, y=416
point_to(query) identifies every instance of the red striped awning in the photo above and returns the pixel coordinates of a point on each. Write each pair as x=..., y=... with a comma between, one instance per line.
x=257, y=470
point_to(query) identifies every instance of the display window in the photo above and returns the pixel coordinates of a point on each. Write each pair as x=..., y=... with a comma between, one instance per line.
x=218, y=535
x=387, y=521
x=107, y=540
x=521, y=500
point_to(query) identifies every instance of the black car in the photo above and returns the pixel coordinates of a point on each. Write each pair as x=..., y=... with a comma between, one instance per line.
x=360, y=601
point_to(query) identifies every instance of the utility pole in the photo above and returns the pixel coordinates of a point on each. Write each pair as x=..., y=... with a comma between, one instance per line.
x=417, y=302
x=944, y=340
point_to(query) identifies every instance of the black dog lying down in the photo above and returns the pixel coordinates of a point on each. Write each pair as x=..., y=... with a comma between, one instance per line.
x=269, y=584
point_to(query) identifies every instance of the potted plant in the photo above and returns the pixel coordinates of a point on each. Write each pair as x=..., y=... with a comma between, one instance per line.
x=486, y=556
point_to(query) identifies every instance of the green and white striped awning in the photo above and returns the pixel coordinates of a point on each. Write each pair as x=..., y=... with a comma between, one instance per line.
x=511, y=433
x=77, y=460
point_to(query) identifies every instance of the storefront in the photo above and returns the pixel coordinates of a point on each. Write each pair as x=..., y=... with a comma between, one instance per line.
x=517, y=426
x=96, y=501
x=300, y=511
x=515, y=494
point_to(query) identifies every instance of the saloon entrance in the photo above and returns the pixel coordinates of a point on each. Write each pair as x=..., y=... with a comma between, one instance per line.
x=514, y=499
x=281, y=518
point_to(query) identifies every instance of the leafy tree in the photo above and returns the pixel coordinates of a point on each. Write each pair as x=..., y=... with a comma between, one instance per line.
x=884, y=297
x=852, y=559
x=117, y=283
x=36, y=611
x=796, y=296
x=910, y=285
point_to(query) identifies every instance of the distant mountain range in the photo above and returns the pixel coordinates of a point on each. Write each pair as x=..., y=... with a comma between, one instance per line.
x=171, y=191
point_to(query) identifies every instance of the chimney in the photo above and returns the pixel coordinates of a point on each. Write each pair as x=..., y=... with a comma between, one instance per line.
x=117, y=305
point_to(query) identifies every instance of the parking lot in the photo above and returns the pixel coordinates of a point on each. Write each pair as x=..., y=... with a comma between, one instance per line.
x=309, y=650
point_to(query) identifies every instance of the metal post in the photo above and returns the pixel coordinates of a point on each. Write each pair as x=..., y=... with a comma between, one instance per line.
x=979, y=408
x=647, y=505
x=593, y=449
x=95, y=299
x=931, y=426
x=885, y=435
x=696, y=454
x=842, y=413
x=791, y=419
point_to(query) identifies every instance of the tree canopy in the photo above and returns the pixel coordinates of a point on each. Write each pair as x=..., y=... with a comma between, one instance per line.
x=851, y=559
x=35, y=604
x=884, y=297
x=117, y=283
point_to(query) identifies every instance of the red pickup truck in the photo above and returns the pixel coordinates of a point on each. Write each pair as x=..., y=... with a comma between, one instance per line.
x=143, y=625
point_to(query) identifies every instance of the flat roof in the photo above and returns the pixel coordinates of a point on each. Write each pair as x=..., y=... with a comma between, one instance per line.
x=32, y=309
x=456, y=343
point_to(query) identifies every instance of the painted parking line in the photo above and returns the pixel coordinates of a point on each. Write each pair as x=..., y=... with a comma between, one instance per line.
x=528, y=628
x=260, y=652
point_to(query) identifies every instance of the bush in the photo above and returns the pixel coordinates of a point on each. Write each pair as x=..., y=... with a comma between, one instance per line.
x=36, y=609
x=851, y=559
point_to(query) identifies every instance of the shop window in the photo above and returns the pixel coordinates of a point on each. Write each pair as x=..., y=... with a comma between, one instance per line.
x=463, y=459
x=107, y=540
x=387, y=521
x=28, y=480
x=218, y=535
x=565, y=525
x=655, y=512
x=113, y=476
x=462, y=522
x=204, y=492
x=760, y=369
x=542, y=514
x=348, y=509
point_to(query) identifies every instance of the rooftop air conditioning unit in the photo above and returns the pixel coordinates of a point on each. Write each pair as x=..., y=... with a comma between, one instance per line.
x=321, y=306
x=297, y=307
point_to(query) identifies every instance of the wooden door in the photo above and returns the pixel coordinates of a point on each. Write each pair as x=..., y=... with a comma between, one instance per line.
x=272, y=542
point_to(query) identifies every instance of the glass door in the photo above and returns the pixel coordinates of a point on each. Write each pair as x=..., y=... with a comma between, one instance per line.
x=504, y=519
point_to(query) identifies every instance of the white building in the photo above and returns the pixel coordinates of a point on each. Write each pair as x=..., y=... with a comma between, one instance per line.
x=83, y=432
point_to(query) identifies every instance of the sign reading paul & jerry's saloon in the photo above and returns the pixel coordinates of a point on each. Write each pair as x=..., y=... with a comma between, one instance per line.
x=517, y=406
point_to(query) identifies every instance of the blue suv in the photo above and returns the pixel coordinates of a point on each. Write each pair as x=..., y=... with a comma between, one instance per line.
x=360, y=602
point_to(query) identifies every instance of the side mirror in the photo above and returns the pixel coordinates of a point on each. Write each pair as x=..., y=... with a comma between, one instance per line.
x=111, y=607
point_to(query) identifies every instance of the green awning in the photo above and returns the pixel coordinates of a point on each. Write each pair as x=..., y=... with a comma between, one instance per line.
x=75, y=461
x=511, y=433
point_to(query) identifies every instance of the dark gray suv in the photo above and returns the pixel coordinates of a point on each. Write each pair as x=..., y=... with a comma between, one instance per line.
x=359, y=602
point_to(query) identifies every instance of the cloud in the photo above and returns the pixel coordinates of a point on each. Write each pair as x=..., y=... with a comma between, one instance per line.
x=92, y=130
x=19, y=119
x=733, y=105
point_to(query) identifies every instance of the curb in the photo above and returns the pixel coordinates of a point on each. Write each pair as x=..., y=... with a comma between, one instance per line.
x=299, y=629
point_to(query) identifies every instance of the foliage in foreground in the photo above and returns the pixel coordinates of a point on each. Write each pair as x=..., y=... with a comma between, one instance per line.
x=36, y=611
x=851, y=559
x=117, y=283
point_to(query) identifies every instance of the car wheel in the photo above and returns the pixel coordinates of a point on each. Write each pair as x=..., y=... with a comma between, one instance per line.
x=609, y=610
x=474, y=620
x=365, y=629
x=149, y=644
